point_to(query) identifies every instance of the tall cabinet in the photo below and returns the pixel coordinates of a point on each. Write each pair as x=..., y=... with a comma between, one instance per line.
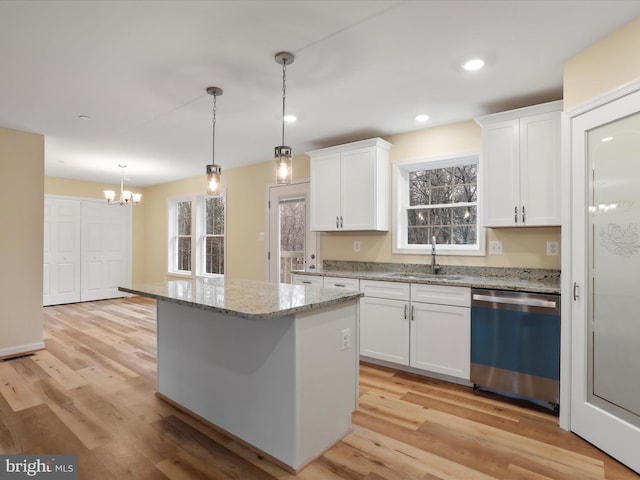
x=350, y=186
x=521, y=167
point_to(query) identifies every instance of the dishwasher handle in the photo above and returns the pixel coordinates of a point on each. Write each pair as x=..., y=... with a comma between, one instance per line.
x=525, y=302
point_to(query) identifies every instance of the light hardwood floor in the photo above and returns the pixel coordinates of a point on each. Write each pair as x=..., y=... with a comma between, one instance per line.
x=92, y=393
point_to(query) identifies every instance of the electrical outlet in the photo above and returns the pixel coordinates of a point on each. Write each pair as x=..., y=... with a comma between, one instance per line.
x=346, y=338
x=356, y=246
x=260, y=236
x=495, y=247
x=553, y=248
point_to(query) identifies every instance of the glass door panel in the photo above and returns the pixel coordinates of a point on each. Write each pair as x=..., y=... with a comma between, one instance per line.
x=613, y=381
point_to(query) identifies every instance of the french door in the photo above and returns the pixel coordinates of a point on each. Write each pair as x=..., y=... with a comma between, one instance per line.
x=292, y=245
x=605, y=279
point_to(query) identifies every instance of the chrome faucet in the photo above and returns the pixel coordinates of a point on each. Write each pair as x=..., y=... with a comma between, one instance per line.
x=435, y=268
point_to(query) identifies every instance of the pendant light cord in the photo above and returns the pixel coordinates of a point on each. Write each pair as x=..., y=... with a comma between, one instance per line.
x=213, y=131
x=284, y=94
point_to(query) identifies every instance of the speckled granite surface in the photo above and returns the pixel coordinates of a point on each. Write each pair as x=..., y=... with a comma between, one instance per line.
x=243, y=298
x=516, y=279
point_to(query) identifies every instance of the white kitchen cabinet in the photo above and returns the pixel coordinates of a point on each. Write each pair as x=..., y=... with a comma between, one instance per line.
x=313, y=280
x=423, y=326
x=441, y=338
x=350, y=187
x=384, y=321
x=521, y=167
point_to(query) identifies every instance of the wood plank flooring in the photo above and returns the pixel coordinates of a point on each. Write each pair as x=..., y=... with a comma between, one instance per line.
x=92, y=393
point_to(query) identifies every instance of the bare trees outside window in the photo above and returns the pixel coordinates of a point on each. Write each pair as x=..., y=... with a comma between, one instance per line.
x=183, y=237
x=443, y=202
x=214, y=212
x=292, y=231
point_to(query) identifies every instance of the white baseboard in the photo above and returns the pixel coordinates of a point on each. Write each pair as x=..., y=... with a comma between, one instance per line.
x=21, y=350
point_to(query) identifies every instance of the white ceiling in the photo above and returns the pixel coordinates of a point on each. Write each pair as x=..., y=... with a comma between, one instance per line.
x=139, y=70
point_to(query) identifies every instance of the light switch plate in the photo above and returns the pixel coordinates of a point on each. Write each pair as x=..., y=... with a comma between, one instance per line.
x=356, y=246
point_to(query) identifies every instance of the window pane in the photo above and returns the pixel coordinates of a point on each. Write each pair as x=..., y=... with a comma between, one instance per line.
x=464, y=235
x=443, y=235
x=419, y=188
x=419, y=235
x=214, y=255
x=184, y=253
x=440, y=216
x=184, y=218
x=214, y=215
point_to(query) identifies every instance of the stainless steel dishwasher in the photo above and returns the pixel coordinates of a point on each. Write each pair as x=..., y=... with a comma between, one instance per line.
x=515, y=344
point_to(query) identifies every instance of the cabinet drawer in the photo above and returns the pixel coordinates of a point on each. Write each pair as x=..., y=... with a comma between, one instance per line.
x=337, y=282
x=391, y=290
x=314, y=280
x=441, y=294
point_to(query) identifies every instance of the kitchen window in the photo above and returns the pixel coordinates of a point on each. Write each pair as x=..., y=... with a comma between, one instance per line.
x=197, y=235
x=437, y=198
x=213, y=237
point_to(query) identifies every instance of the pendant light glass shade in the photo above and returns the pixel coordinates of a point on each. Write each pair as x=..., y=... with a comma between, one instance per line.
x=213, y=170
x=284, y=168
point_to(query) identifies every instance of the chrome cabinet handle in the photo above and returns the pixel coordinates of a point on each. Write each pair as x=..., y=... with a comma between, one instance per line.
x=413, y=313
x=576, y=291
x=306, y=282
x=523, y=214
x=341, y=221
x=337, y=224
x=515, y=214
x=405, y=311
x=340, y=285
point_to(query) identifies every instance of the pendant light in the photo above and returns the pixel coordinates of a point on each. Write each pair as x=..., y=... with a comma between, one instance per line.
x=283, y=152
x=213, y=170
x=126, y=197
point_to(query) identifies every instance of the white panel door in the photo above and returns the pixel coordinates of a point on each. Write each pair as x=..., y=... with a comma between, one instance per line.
x=61, y=269
x=106, y=231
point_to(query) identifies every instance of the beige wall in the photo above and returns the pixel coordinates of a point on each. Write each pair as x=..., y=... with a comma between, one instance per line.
x=522, y=247
x=605, y=66
x=78, y=188
x=21, y=256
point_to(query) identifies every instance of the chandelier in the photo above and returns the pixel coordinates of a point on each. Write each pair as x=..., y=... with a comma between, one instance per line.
x=126, y=197
x=213, y=170
x=284, y=172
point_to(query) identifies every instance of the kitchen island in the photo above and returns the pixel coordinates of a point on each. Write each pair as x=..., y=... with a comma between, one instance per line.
x=273, y=365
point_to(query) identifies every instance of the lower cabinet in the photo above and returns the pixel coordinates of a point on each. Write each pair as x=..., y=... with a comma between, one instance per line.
x=314, y=280
x=430, y=336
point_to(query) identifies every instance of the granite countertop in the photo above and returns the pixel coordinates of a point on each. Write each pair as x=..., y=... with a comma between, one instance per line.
x=514, y=279
x=242, y=298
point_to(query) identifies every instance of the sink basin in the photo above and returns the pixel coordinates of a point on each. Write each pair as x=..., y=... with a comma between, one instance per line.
x=423, y=276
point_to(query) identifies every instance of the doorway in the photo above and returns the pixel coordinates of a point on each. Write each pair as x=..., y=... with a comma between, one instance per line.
x=292, y=245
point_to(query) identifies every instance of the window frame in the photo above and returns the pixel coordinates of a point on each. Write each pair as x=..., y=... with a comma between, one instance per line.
x=173, y=234
x=202, y=235
x=400, y=196
x=198, y=235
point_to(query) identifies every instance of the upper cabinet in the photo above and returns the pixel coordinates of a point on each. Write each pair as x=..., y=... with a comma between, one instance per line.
x=521, y=167
x=350, y=186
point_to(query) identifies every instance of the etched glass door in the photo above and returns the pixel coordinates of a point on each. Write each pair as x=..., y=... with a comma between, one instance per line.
x=605, y=406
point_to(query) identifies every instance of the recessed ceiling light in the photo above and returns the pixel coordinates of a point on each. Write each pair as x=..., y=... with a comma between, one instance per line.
x=607, y=139
x=422, y=117
x=473, y=64
x=290, y=118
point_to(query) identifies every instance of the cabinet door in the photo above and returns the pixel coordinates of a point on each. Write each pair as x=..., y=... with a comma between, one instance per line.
x=441, y=339
x=358, y=189
x=384, y=329
x=325, y=192
x=500, y=174
x=540, y=170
